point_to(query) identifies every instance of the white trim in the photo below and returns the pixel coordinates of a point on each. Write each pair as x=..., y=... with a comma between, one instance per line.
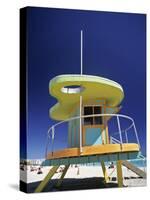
x=95, y=115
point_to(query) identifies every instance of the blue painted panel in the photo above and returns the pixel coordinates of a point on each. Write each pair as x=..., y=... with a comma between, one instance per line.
x=83, y=159
x=123, y=156
x=113, y=157
x=93, y=136
x=74, y=130
x=92, y=159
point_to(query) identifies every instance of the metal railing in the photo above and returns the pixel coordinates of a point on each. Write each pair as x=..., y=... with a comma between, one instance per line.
x=120, y=132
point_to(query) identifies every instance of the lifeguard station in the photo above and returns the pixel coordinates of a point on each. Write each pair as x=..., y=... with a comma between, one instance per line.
x=87, y=104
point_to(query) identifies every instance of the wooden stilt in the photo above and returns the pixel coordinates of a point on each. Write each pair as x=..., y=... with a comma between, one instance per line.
x=106, y=177
x=119, y=173
x=62, y=176
x=46, y=179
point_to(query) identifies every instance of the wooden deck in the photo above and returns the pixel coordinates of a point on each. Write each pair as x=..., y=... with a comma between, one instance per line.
x=94, y=150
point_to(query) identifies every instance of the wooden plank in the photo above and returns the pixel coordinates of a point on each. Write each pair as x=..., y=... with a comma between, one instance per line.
x=119, y=173
x=94, y=150
x=62, y=176
x=46, y=179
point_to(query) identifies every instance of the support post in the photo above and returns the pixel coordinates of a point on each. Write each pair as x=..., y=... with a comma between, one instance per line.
x=119, y=173
x=107, y=136
x=106, y=177
x=46, y=179
x=62, y=176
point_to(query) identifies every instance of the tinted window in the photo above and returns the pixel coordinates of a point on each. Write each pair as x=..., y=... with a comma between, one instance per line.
x=97, y=110
x=88, y=111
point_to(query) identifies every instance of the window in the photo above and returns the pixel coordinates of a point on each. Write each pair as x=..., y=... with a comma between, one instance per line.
x=98, y=110
x=90, y=110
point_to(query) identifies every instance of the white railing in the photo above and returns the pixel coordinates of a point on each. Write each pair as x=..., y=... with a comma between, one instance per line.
x=114, y=140
x=51, y=130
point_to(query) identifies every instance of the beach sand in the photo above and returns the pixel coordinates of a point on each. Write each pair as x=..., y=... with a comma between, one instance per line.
x=84, y=177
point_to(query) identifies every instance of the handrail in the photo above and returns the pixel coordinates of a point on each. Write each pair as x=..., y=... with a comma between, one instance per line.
x=97, y=115
x=124, y=129
x=114, y=140
x=93, y=115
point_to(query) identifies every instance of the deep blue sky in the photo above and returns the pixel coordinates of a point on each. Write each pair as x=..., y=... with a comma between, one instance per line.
x=114, y=47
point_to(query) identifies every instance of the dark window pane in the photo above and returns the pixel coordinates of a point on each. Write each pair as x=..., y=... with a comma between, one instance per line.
x=97, y=120
x=98, y=110
x=88, y=111
x=88, y=121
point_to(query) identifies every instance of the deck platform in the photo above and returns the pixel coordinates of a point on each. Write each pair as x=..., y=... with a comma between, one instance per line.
x=91, y=154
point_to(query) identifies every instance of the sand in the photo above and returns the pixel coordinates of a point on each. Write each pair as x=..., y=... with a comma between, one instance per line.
x=84, y=173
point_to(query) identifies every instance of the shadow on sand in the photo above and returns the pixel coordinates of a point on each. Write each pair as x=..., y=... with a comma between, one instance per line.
x=69, y=184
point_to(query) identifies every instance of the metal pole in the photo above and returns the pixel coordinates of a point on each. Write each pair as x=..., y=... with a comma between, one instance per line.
x=81, y=43
x=53, y=134
x=47, y=143
x=119, y=129
x=80, y=124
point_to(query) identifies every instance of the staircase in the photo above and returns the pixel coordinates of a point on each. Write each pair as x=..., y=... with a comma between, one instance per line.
x=133, y=168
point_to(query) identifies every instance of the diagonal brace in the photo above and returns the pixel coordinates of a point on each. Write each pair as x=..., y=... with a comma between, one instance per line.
x=46, y=179
x=62, y=176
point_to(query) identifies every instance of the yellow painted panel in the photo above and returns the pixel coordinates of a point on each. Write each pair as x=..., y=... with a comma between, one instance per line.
x=94, y=150
x=94, y=87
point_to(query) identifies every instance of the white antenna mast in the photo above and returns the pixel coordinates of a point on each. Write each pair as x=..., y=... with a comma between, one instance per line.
x=81, y=52
x=81, y=44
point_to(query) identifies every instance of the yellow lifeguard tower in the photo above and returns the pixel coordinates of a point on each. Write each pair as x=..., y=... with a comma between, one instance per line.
x=87, y=104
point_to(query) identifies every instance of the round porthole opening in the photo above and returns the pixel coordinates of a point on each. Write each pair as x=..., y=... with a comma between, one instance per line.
x=72, y=89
